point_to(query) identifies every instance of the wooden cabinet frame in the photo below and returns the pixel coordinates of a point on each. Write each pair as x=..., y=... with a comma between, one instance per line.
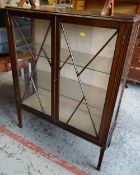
x=127, y=29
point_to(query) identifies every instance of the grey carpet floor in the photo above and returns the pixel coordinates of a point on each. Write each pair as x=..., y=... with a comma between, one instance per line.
x=121, y=158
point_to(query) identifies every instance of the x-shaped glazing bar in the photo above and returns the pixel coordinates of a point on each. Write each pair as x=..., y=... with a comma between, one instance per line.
x=37, y=94
x=34, y=66
x=65, y=62
x=46, y=56
x=75, y=110
x=98, y=53
x=78, y=77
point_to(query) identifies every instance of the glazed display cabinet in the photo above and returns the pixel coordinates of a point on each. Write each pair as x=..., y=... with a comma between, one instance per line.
x=74, y=74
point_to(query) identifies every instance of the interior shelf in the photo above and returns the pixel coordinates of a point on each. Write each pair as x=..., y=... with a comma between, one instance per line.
x=70, y=95
x=70, y=89
x=81, y=118
x=100, y=64
x=45, y=97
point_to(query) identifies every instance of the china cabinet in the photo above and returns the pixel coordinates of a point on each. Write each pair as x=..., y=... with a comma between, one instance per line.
x=75, y=75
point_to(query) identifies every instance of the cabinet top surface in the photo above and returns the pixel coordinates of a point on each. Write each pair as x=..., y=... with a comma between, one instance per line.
x=44, y=10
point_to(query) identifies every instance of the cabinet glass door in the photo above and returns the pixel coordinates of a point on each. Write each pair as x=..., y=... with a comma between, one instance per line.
x=85, y=65
x=33, y=47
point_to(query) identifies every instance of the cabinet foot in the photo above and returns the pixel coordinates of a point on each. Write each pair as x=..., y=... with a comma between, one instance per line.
x=102, y=151
x=20, y=123
x=126, y=84
x=109, y=143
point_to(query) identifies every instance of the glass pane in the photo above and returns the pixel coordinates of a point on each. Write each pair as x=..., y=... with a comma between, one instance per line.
x=33, y=45
x=86, y=60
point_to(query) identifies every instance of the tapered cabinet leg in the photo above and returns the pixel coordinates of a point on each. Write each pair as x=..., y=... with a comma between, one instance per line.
x=20, y=123
x=14, y=66
x=17, y=97
x=102, y=151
